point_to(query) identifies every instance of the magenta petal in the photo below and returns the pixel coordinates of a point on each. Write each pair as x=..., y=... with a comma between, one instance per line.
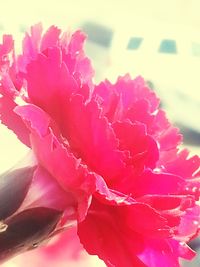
x=128, y=98
x=157, y=183
x=171, y=207
x=133, y=90
x=69, y=172
x=109, y=196
x=50, y=38
x=140, y=217
x=142, y=147
x=46, y=192
x=160, y=253
x=31, y=46
x=140, y=112
x=168, y=202
x=183, y=165
x=165, y=253
x=49, y=83
x=7, y=45
x=9, y=118
x=74, y=57
x=5, y=49
x=109, y=100
x=189, y=225
x=86, y=128
x=183, y=250
x=39, y=120
x=116, y=233
x=170, y=138
x=143, y=219
x=66, y=169
x=76, y=43
x=8, y=94
x=101, y=234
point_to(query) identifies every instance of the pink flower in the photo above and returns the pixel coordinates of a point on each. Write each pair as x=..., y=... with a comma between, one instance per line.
x=108, y=151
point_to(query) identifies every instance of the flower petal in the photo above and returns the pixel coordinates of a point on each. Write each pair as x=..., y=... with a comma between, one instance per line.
x=44, y=191
x=9, y=118
x=85, y=127
x=183, y=165
x=150, y=183
x=142, y=147
x=54, y=156
x=159, y=253
x=100, y=235
x=49, y=84
x=50, y=38
x=31, y=46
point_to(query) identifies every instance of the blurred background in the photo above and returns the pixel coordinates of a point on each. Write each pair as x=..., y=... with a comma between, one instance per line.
x=157, y=39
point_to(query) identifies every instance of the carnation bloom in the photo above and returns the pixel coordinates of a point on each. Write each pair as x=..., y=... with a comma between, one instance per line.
x=106, y=158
